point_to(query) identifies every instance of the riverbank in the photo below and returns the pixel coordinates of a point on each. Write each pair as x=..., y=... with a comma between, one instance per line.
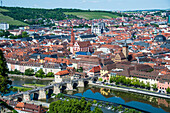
x=108, y=105
x=33, y=85
x=21, y=89
x=29, y=77
x=132, y=90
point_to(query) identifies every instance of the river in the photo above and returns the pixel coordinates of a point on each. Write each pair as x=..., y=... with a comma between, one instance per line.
x=145, y=102
x=20, y=81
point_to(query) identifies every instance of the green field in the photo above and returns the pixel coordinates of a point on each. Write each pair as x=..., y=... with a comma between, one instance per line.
x=92, y=15
x=10, y=21
x=3, y=10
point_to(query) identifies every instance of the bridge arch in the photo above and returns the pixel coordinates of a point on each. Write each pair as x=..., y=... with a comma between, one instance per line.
x=62, y=87
x=19, y=99
x=86, y=83
x=75, y=84
x=35, y=96
x=94, y=79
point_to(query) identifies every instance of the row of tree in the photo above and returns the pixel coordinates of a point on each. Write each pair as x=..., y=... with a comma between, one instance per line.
x=7, y=34
x=73, y=106
x=5, y=83
x=30, y=72
x=35, y=15
x=168, y=90
x=131, y=82
x=40, y=73
x=119, y=108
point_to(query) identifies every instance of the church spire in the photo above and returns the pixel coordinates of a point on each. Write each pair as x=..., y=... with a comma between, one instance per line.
x=72, y=37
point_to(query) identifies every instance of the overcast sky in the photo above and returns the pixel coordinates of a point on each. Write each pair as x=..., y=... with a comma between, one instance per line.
x=92, y=4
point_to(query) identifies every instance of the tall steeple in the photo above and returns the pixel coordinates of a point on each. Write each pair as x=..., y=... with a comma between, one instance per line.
x=125, y=49
x=72, y=41
x=72, y=37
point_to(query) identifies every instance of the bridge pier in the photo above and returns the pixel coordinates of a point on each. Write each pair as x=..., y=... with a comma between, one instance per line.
x=26, y=97
x=80, y=83
x=70, y=92
x=69, y=86
x=42, y=94
x=80, y=89
x=56, y=89
x=90, y=81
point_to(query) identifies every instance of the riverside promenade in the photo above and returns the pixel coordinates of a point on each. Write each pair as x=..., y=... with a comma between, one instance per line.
x=132, y=90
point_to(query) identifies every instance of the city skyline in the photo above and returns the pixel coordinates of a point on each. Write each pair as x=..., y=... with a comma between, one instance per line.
x=111, y=5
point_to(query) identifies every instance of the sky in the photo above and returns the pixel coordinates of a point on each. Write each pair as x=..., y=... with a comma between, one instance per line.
x=110, y=5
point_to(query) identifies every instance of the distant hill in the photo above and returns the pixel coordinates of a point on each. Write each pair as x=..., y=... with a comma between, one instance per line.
x=92, y=15
x=17, y=15
x=149, y=10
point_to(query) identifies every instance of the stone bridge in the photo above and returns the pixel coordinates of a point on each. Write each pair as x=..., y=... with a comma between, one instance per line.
x=42, y=92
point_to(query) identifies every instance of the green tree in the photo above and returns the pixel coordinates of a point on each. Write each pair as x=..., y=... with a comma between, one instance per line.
x=97, y=110
x=5, y=83
x=24, y=34
x=115, y=108
x=80, y=69
x=120, y=107
x=148, y=85
x=50, y=74
x=72, y=106
x=168, y=90
x=142, y=84
x=100, y=79
x=6, y=33
x=15, y=72
x=40, y=73
x=154, y=86
x=95, y=101
x=60, y=95
x=29, y=72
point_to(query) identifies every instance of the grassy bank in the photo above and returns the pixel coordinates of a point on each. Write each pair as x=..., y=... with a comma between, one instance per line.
x=21, y=88
x=37, y=85
x=9, y=20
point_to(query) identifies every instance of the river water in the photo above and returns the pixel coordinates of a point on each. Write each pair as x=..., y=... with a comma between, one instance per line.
x=145, y=102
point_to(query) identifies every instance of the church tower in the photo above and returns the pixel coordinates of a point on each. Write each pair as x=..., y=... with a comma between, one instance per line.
x=72, y=41
x=92, y=27
x=125, y=50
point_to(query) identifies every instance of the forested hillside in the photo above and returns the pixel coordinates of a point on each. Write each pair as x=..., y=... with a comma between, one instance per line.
x=43, y=16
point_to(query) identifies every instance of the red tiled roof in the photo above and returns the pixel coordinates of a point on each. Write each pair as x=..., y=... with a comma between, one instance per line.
x=95, y=69
x=62, y=72
x=84, y=44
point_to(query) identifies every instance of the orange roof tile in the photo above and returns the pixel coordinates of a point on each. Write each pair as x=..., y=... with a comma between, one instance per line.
x=95, y=69
x=62, y=72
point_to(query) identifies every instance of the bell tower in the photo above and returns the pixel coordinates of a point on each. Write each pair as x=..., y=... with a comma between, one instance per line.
x=125, y=50
x=72, y=41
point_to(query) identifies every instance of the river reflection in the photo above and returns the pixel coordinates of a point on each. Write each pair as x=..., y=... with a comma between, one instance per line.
x=151, y=103
x=145, y=102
